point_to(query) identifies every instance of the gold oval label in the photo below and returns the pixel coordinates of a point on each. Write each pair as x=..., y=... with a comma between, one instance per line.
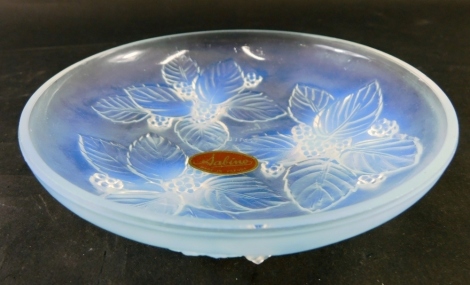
x=223, y=162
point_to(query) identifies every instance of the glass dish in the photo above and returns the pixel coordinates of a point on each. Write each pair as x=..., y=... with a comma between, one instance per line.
x=239, y=143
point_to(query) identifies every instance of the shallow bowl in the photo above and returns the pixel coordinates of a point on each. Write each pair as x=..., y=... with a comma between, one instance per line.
x=239, y=143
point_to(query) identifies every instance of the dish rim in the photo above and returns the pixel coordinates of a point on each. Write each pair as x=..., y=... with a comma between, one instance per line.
x=414, y=184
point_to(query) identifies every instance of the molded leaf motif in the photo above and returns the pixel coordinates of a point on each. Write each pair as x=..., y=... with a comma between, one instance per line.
x=316, y=184
x=181, y=70
x=202, y=136
x=120, y=109
x=351, y=116
x=251, y=106
x=203, y=213
x=237, y=194
x=159, y=100
x=306, y=102
x=322, y=161
x=220, y=82
x=105, y=156
x=158, y=202
x=381, y=155
x=155, y=158
x=267, y=148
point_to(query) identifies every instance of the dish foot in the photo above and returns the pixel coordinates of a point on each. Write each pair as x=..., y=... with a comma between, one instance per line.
x=257, y=259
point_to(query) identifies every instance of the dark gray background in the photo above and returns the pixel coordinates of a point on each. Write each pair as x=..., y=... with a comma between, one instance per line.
x=41, y=242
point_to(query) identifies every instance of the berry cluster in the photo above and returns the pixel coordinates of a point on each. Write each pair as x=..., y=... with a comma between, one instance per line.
x=323, y=148
x=311, y=146
x=205, y=112
x=159, y=122
x=251, y=80
x=193, y=172
x=105, y=182
x=185, y=90
x=302, y=132
x=383, y=128
x=272, y=170
x=370, y=180
x=185, y=184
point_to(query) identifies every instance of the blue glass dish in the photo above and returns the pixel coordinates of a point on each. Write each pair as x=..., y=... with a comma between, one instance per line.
x=344, y=137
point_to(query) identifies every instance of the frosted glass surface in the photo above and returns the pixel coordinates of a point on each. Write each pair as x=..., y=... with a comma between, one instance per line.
x=331, y=124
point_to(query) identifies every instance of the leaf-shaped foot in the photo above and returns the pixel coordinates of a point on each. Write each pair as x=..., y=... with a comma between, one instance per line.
x=317, y=184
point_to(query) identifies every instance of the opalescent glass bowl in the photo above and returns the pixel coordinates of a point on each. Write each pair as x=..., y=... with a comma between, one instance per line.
x=239, y=143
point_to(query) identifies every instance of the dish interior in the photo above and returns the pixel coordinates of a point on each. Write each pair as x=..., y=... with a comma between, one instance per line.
x=331, y=124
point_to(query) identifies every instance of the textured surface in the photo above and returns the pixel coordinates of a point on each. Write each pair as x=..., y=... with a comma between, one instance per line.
x=41, y=242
